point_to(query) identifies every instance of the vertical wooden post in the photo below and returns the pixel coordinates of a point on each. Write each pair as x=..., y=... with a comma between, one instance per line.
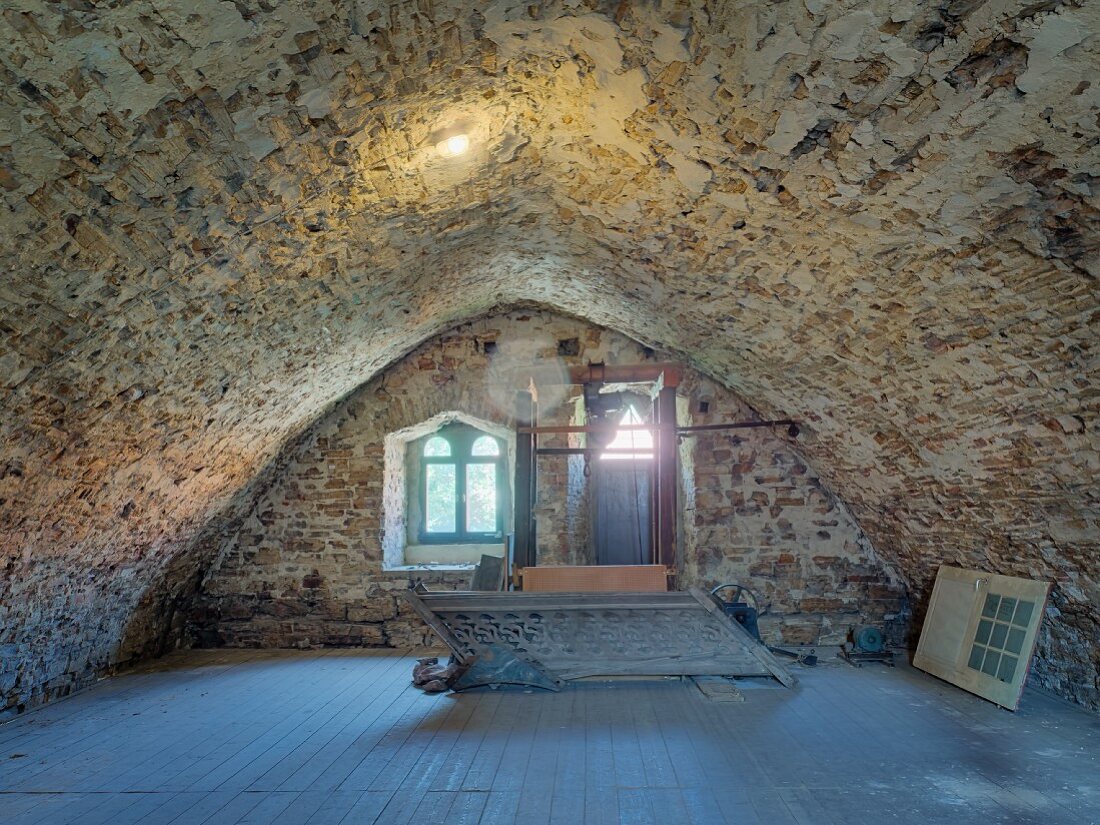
x=666, y=476
x=524, y=482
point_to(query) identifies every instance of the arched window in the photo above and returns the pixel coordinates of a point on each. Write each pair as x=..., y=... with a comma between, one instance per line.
x=461, y=472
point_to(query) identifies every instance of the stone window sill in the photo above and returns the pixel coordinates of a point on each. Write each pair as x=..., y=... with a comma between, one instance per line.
x=413, y=568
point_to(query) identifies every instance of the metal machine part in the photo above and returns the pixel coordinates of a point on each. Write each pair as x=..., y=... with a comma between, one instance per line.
x=738, y=609
x=866, y=644
x=868, y=639
x=746, y=615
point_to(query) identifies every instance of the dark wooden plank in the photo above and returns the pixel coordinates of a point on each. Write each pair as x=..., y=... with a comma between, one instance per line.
x=601, y=805
x=368, y=807
x=387, y=738
x=523, y=488
x=571, y=768
x=537, y=783
x=434, y=622
x=335, y=809
x=666, y=454
x=301, y=808
x=452, y=773
x=413, y=768
x=327, y=766
x=701, y=808
x=489, y=574
x=270, y=806
x=466, y=808
x=191, y=756
x=846, y=746
x=635, y=807
x=250, y=763
x=757, y=650
x=485, y=763
x=434, y=807
x=500, y=808
x=355, y=768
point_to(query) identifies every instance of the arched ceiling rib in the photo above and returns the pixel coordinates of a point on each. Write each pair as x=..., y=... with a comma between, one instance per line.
x=219, y=217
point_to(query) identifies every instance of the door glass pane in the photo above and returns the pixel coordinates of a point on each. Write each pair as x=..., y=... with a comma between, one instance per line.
x=439, y=481
x=991, y=602
x=1008, y=668
x=481, y=498
x=992, y=660
x=1007, y=606
x=997, y=639
x=1023, y=613
x=1015, y=643
x=977, y=654
x=984, y=626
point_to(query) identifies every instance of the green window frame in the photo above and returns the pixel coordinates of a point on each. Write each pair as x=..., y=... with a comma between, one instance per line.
x=455, y=469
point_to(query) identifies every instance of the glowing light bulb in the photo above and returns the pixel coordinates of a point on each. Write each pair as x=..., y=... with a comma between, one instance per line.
x=453, y=146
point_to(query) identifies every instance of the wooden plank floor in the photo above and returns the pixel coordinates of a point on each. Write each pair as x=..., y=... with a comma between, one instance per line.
x=341, y=737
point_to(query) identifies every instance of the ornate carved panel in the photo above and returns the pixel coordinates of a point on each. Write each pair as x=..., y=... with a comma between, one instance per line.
x=600, y=633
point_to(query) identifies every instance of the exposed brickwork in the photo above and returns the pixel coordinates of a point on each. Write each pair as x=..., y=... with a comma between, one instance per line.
x=306, y=566
x=220, y=218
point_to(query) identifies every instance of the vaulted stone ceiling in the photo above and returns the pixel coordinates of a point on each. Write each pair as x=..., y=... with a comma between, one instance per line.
x=220, y=217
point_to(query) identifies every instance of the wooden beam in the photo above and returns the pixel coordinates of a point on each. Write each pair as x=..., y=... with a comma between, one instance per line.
x=435, y=623
x=585, y=428
x=626, y=373
x=666, y=477
x=755, y=648
x=614, y=428
x=524, y=487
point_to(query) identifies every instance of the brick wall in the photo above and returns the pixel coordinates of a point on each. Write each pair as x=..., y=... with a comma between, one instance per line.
x=306, y=565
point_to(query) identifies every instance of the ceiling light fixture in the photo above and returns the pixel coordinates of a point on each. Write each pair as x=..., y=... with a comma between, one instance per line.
x=453, y=146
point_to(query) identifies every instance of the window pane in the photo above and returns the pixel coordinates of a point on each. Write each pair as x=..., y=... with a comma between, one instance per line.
x=437, y=445
x=486, y=445
x=439, y=480
x=481, y=498
x=628, y=444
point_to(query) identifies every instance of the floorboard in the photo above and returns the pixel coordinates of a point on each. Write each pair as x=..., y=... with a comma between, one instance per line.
x=331, y=737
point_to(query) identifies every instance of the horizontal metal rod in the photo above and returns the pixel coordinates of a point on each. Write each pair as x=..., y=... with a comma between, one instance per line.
x=737, y=425
x=582, y=451
x=734, y=425
x=587, y=428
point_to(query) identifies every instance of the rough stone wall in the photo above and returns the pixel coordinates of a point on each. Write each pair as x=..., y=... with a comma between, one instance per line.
x=305, y=567
x=759, y=515
x=219, y=218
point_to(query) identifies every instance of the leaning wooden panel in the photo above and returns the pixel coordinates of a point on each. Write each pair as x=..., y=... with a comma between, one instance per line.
x=980, y=632
x=573, y=635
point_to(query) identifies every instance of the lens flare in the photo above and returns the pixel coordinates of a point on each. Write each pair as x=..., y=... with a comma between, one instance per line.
x=453, y=146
